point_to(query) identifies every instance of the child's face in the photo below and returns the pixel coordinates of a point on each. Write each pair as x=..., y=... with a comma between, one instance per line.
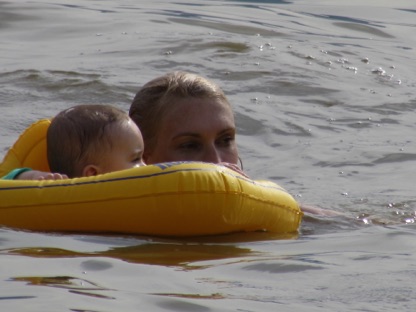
x=126, y=151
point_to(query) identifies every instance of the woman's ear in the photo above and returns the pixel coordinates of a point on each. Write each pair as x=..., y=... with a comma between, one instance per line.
x=90, y=170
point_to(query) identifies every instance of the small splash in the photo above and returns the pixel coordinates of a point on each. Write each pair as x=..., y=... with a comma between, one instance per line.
x=364, y=218
x=352, y=68
x=379, y=71
x=366, y=221
x=269, y=46
x=342, y=61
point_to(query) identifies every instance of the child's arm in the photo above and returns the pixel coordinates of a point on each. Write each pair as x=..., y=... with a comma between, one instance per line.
x=12, y=175
x=29, y=174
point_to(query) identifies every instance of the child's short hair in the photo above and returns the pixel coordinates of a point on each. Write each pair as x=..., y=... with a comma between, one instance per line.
x=78, y=135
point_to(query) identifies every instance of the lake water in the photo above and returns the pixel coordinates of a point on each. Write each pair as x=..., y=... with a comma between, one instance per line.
x=325, y=101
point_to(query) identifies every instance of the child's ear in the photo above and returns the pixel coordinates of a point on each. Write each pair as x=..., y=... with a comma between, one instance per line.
x=90, y=170
x=145, y=156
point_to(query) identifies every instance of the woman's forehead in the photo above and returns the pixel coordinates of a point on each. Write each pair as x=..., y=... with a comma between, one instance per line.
x=196, y=106
x=196, y=115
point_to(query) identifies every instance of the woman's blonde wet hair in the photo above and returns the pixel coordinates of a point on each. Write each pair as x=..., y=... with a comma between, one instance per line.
x=155, y=98
x=79, y=135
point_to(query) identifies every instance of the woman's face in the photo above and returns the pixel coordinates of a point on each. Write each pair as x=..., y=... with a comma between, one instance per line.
x=195, y=130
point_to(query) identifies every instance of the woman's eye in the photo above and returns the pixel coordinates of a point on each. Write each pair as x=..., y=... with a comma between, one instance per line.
x=226, y=140
x=189, y=145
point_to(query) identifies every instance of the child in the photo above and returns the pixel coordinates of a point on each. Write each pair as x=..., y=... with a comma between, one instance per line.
x=88, y=140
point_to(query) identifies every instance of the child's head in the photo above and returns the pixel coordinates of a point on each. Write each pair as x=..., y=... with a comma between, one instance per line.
x=88, y=140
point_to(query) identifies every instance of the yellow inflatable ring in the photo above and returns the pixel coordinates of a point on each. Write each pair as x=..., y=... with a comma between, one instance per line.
x=168, y=199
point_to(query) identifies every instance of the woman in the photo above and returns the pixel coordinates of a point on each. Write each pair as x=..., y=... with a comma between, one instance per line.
x=185, y=117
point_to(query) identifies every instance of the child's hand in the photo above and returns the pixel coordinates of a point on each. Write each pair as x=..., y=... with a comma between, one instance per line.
x=40, y=175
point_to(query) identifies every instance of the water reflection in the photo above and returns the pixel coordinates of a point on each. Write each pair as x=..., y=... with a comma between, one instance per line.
x=181, y=255
x=229, y=28
x=58, y=281
x=278, y=268
x=265, y=1
x=73, y=284
x=16, y=297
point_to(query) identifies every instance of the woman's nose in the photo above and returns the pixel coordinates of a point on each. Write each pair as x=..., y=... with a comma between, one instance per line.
x=212, y=155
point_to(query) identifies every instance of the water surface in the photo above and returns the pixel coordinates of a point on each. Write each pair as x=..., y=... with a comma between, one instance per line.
x=325, y=106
